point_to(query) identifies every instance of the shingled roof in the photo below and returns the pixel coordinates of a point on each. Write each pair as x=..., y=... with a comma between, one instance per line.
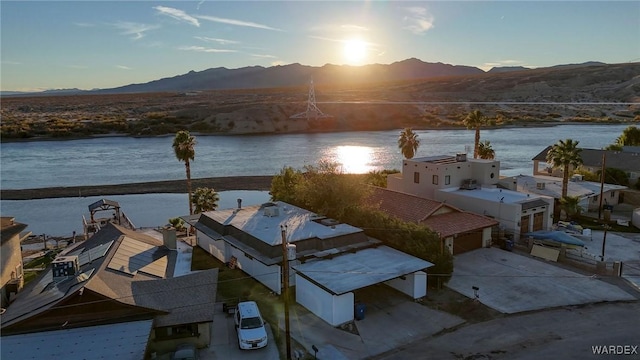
x=442, y=218
x=623, y=160
x=127, y=268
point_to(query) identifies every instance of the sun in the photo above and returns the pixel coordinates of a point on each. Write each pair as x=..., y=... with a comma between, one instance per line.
x=355, y=51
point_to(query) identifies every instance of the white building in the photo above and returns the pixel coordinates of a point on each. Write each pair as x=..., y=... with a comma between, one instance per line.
x=332, y=260
x=471, y=185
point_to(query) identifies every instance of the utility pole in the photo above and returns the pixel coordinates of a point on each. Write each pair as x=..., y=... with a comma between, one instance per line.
x=604, y=241
x=285, y=293
x=602, y=171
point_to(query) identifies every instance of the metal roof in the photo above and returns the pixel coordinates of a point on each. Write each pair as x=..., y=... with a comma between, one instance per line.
x=264, y=222
x=116, y=341
x=103, y=204
x=353, y=271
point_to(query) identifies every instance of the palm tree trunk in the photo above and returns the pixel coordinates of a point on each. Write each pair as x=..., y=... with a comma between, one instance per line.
x=477, y=143
x=187, y=166
x=565, y=179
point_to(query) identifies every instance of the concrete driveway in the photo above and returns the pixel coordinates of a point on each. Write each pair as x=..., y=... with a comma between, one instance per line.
x=624, y=247
x=224, y=342
x=512, y=283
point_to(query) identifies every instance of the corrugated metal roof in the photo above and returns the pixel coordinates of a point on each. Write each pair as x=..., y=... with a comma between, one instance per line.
x=116, y=341
x=353, y=271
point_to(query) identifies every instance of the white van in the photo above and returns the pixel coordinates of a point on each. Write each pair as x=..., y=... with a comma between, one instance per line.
x=250, y=326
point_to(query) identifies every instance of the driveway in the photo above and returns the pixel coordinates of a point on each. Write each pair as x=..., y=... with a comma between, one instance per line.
x=224, y=342
x=624, y=247
x=512, y=283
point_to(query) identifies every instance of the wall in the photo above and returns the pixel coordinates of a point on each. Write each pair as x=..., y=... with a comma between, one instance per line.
x=486, y=237
x=11, y=256
x=335, y=310
x=269, y=276
x=414, y=284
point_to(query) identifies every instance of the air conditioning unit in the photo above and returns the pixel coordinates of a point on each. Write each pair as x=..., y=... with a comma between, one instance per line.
x=64, y=266
x=540, y=186
x=469, y=184
x=577, y=177
x=461, y=157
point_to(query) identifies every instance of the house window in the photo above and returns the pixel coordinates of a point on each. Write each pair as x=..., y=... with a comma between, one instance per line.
x=613, y=194
x=177, y=332
x=435, y=180
x=447, y=179
x=416, y=177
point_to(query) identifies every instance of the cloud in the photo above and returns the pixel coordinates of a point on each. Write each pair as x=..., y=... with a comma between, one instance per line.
x=236, y=22
x=264, y=56
x=216, y=40
x=177, y=14
x=352, y=27
x=204, y=49
x=123, y=67
x=137, y=30
x=418, y=21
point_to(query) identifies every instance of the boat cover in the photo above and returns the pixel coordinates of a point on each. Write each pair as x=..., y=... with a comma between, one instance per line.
x=557, y=236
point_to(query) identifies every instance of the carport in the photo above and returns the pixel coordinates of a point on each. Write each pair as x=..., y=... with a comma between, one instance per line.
x=325, y=286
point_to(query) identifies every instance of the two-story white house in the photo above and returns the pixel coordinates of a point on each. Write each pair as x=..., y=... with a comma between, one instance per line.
x=471, y=185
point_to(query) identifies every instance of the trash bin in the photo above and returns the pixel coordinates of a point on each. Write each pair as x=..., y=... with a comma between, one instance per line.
x=359, y=310
x=508, y=245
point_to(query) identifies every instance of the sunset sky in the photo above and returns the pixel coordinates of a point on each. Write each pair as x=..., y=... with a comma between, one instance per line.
x=105, y=44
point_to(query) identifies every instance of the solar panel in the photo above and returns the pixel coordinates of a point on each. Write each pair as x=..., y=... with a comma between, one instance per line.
x=133, y=256
x=94, y=253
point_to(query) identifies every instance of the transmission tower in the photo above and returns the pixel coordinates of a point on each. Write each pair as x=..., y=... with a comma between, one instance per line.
x=312, y=109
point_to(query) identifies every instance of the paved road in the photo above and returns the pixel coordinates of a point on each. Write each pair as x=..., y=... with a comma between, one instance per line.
x=569, y=333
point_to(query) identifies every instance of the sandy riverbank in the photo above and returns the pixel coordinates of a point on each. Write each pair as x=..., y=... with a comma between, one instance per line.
x=260, y=183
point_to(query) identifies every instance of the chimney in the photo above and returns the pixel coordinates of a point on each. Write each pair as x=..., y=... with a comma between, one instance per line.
x=239, y=203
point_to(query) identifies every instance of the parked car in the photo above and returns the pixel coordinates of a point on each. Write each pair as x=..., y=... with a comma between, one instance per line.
x=185, y=352
x=252, y=333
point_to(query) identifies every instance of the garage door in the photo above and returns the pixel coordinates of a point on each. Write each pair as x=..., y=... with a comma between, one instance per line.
x=538, y=221
x=467, y=242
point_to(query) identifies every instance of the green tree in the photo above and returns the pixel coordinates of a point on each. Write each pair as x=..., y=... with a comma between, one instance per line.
x=184, y=148
x=565, y=154
x=408, y=143
x=485, y=151
x=614, y=176
x=475, y=120
x=571, y=205
x=177, y=223
x=204, y=199
x=630, y=137
x=326, y=190
x=283, y=185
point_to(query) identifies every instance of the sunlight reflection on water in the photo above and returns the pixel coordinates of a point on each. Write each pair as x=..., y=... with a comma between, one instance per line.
x=353, y=159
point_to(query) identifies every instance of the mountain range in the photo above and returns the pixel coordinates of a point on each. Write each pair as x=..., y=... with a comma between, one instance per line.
x=257, y=77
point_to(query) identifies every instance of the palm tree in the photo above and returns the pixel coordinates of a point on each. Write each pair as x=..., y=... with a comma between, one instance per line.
x=485, y=151
x=205, y=199
x=571, y=206
x=564, y=154
x=475, y=120
x=408, y=143
x=184, y=147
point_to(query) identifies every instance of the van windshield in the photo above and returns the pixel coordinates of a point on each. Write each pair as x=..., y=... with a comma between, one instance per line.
x=251, y=323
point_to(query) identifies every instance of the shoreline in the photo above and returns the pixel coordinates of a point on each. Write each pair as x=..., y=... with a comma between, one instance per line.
x=522, y=125
x=259, y=183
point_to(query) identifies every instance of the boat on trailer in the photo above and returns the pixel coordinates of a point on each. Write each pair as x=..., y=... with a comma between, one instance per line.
x=101, y=213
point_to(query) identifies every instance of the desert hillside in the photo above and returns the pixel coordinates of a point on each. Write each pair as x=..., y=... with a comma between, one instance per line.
x=596, y=93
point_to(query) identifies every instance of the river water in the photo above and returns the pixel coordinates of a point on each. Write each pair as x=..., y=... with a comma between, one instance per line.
x=116, y=160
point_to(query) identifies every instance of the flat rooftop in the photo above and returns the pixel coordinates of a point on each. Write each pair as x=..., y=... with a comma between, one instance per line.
x=353, y=271
x=494, y=194
x=264, y=223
